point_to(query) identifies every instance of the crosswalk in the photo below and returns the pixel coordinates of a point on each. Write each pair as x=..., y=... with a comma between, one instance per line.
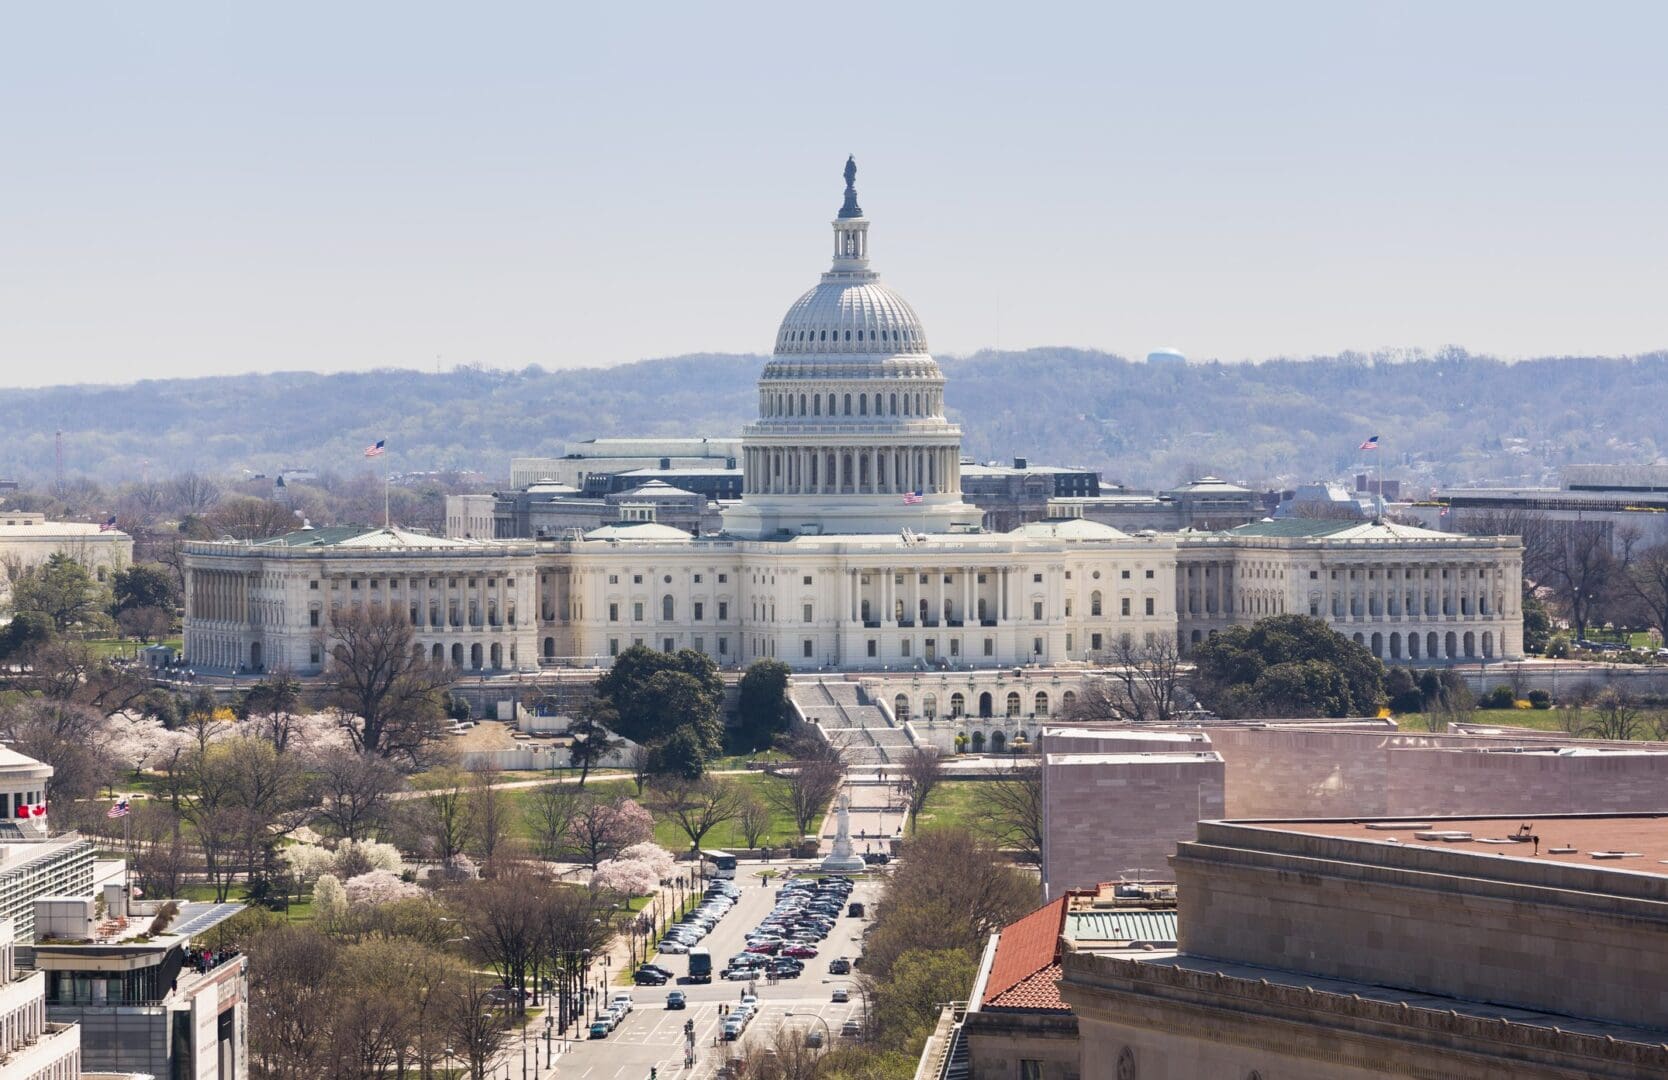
x=663, y=1029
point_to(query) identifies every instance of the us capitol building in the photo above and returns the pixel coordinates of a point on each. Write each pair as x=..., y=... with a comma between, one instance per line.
x=850, y=547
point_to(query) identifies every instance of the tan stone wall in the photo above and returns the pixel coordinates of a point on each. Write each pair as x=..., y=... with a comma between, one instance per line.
x=1434, y=782
x=996, y=1047
x=1422, y=920
x=1101, y=820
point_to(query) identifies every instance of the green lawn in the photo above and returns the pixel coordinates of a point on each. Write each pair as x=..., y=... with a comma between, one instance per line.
x=124, y=648
x=953, y=802
x=666, y=831
x=1537, y=719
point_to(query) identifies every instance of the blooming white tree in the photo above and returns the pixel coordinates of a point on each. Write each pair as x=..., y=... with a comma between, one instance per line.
x=654, y=856
x=308, y=862
x=329, y=898
x=633, y=877
x=379, y=887
x=376, y=855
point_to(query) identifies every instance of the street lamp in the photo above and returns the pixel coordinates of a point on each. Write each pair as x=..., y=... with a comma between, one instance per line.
x=828, y=1032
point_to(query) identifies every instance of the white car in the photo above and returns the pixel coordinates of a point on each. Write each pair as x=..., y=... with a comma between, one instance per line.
x=749, y=1001
x=672, y=946
x=620, y=1000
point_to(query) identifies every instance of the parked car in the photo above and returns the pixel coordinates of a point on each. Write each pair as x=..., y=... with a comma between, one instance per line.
x=732, y=1028
x=600, y=1029
x=799, y=952
x=672, y=946
x=813, y=1038
x=855, y=910
x=620, y=1000
x=650, y=977
x=842, y=994
x=851, y=1028
x=840, y=965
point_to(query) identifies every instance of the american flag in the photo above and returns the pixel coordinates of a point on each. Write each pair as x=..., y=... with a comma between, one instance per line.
x=378, y=449
x=1370, y=444
x=118, y=810
x=911, y=498
x=108, y=526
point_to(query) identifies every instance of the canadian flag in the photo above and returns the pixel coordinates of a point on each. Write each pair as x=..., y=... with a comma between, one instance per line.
x=31, y=810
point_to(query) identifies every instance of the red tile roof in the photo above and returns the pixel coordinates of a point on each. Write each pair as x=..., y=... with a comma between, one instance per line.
x=1025, y=973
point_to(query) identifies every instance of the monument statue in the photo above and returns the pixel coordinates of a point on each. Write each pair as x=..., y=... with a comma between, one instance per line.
x=842, y=858
x=850, y=209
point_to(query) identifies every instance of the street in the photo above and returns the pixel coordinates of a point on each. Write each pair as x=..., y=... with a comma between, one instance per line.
x=652, y=1037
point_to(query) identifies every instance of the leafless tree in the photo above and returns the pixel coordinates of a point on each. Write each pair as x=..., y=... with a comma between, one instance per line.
x=1616, y=715
x=504, y=919
x=752, y=819
x=1647, y=580
x=922, y=772
x=1094, y=701
x=641, y=759
x=193, y=493
x=354, y=790
x=145, y=623
x=450, y=816
x=475, y=1030
x=1010, y=810
x=245, y=518
x=698, y=806
x=291, y=1003
x=551, y=811
x=809, y=782
x=394, y=700
x=1582, y=570
x=273, y=705
x=491, y=812
x=1145, y=680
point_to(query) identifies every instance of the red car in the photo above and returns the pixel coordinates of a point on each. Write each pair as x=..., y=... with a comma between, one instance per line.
x=799, y=952
x=768, y=948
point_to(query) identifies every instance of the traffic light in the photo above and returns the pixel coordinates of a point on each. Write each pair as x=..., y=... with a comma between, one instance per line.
x=652, y=1071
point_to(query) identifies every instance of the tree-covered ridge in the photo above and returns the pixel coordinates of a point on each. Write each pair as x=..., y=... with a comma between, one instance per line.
x=1449, y=419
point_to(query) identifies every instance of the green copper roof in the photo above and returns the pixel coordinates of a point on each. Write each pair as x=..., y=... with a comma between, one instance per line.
x=1293, y=527
x=328, y=536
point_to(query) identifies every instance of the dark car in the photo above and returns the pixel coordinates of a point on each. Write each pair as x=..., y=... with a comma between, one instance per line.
x=855, y=910
x=504, y=995
x=650, y=977
x=676, y=1000
x=839, y=966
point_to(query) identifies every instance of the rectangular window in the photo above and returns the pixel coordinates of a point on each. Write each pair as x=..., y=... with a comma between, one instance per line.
x=315, y=654
x=807, y=580
x=955, y=646
x=1094, y=642
x=921, y=579
x=1123, y=606
x=807, y=614
x=354, y=584
x=905, y=647
x=613, y=646
x=990, y=646
x=667, y=645
x=807, y=645
x=981, y=579
x=613, y=613
x=700, y=609
x=723, y=578
x=313, y=617
x=313, y=585
x=1124, y=574
x=697, y=579
x=1149, y=605
x=1030, y=1069
x=1036, y=610
x=1068, y=642
x=637, y=642
x=1036, y=579
x=1313, y=574
x=1149, y=575
x=613, y=579
x=636, y=579
x=723, y=610
x=700, y=644
x=1036, y=645
x=637, y=611
x=874, y=648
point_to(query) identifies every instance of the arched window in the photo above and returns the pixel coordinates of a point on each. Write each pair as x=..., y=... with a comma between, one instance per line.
x=929, y=706
x=1067, y=700
x=1013, y=703
x=816, y=405
x=666, y=609
x=801, y=404
x=877, y=405
x=457, y=656
x=1094, y=602
x=984, y=704
x=998, y=742
x=848, y=405
x=1041, y=703
x=474, y=657
x=862, y=404
x=978, y=742
x=831, y=410
x=894, y=404
x=900, y=708
x=958, y=704
x=906, y=405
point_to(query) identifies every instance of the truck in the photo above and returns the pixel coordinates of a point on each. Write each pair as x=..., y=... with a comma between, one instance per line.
x=700, y=965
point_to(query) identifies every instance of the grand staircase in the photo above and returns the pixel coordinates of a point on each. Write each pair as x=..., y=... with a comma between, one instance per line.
x=850, y=721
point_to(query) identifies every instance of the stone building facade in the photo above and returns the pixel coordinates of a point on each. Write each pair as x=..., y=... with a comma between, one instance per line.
x=851, y=547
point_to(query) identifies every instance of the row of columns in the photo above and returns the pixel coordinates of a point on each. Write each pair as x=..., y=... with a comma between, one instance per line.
x=918, y=403
x=1465, y=592
x=851, y=470
x=220, y=595
x=964, y=606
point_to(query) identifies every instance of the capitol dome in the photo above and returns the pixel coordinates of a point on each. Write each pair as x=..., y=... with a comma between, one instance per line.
x=844, y=316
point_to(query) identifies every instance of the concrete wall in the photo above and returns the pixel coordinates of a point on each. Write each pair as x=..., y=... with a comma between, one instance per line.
x=1108, y=814
x=1298, y=772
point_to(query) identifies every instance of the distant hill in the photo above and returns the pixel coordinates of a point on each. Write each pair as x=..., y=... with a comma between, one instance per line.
x=1447, y=419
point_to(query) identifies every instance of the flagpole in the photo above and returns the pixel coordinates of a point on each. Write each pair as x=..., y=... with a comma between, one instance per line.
x=385, y=519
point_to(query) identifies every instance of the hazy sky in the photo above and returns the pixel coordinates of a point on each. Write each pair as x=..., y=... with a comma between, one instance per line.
x=192, y=189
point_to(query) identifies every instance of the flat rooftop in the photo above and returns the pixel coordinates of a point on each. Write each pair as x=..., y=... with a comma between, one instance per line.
x=1181, y=738
x=1157, y=757
x=1635, y=843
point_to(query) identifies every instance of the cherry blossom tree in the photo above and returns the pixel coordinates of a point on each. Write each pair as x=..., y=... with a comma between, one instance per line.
x=379, y=887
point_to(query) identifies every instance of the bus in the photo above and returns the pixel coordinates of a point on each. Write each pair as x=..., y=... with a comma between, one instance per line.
x=700, y=965
x=718, y=864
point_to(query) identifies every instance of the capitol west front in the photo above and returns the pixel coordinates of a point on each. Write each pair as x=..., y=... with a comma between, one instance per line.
x=850, y=548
